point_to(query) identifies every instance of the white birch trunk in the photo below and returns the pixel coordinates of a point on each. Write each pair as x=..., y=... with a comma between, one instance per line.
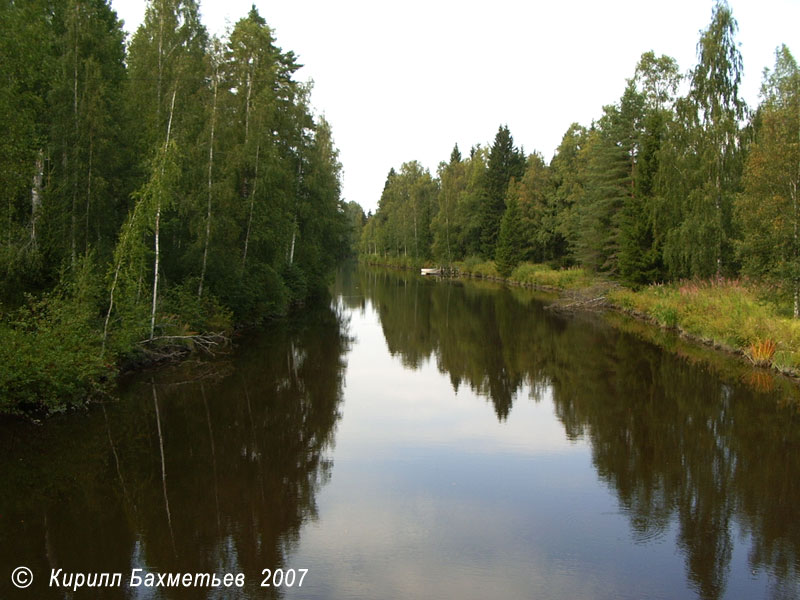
x=163, y=465
x=88, y=196
x=796, y=282
x=158, y=225
x=247, y=105
x=74, y=219
x=36, y=194
x=210, y=169
x=252, y=203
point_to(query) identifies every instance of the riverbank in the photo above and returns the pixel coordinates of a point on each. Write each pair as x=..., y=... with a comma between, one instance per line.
x=740, y=317
x=55, y=356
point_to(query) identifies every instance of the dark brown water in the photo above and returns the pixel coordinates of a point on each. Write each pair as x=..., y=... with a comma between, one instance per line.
x=420, y=439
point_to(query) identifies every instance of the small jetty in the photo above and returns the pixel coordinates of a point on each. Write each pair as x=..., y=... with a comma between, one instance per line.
x=440, y=271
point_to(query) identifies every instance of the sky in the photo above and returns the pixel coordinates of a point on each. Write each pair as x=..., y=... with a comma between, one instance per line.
x=406, y=81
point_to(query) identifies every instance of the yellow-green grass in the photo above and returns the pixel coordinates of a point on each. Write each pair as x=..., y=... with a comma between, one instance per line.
x=529, y=274
x=562, y=279
x=472, y=266
x=729, y=313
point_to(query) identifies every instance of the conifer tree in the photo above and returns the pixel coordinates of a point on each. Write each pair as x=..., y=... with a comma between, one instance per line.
x=511, y=240
x=505, y=162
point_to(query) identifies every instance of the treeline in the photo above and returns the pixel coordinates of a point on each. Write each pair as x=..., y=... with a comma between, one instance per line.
x=662, y=186
x=151, y=192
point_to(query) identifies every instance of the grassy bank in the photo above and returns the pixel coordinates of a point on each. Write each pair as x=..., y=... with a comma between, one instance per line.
x=527, y=274
x=738, y=316
x=735, y=315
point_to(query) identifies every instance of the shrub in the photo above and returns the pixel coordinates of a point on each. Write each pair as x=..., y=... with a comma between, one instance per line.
x=50, y=356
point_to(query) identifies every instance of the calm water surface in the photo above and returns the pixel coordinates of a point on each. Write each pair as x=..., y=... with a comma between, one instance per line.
x=420, y=439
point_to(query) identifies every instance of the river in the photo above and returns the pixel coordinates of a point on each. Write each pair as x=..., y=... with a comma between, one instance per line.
x=418, y=438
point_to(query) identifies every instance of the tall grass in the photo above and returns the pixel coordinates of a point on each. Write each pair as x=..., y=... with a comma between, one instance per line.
x=530, y=274
x=728, y=312
x=545, y=276
x=474, y=266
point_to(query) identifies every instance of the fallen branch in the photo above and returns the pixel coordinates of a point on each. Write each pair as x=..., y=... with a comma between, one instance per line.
x=584, y=304
x=169, y=346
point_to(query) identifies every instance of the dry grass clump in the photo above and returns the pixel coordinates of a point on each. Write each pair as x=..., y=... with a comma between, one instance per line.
x=761, y=352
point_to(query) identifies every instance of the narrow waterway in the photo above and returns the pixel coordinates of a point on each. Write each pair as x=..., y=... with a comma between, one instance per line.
x=418, y=439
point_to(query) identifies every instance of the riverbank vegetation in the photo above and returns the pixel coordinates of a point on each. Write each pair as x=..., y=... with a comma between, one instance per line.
x=678, y=191
x=155, y=194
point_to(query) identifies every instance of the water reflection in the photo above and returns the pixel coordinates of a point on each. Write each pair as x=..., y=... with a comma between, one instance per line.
x=490, y=448
x=682, y=449
x=180, y=475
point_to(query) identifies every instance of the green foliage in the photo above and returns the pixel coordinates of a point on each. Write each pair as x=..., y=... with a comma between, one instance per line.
x=190, y=313
x=50, y=356
x=640, y=248
x=505, y=162
x=568, y=169
x=255, y=296
x=402, y=225
x=510, y=244
x=356, y=219
x=538, y=275
x=707, y=157
x=667, y=316
x=767, y=210
x=475, y=266
x=236, y=213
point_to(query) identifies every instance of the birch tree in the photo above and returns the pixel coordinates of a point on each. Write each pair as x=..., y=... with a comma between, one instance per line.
x=709, y=156
x=769, y=207
x=215, y=62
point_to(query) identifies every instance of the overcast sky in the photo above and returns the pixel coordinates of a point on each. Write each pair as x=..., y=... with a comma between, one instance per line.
x=404, y=81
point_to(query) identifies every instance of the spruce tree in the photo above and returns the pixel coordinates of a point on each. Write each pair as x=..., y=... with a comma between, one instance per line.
x=505, y=162
x=511, y=239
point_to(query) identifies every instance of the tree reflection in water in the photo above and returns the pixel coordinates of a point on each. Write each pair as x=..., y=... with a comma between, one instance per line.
x=243, y=459
x=688, y=454
x=675, y=441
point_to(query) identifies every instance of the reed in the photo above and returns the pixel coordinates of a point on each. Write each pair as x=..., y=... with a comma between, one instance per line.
x=761, y=352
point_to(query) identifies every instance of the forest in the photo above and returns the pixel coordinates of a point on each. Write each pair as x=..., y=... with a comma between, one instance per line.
x=678, y=179
x=157, y=192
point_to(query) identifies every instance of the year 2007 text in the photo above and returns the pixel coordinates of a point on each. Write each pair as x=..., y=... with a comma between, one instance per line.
x=283, y=577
